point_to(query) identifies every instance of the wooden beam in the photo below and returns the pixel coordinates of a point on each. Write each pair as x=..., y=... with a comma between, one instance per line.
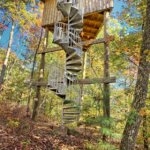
x=96, y=80
x=97, y=41
x=93, y=41
x=50, y=50
x=41, y=83
x=84, y=43
x=82, y=81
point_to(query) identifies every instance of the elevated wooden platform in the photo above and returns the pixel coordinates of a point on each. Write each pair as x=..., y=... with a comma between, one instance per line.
x=93, y=16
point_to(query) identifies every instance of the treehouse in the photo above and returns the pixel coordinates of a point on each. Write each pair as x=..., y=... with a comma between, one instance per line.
x=73, y=23
x=92, y=11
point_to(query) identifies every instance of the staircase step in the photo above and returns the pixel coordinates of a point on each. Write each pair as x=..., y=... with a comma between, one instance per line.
x=57, y=41
x=73, y=12
x=77, y=18
x=77, y=50
x=64, y=8
x=68, y=122
x=64, y=44
x=70, y=78
x=74, y=61
x=71, y=73
x=67, y=7
x=70, y=107
x=69, y=117
x=61, y=95
x=76, y=25
x=77, y=68
x=71, y=113
x=52, y=88
x=68, y=102
x=71, y=56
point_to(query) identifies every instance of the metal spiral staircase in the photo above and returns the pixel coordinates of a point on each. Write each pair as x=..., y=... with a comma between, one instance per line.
x=67, y=35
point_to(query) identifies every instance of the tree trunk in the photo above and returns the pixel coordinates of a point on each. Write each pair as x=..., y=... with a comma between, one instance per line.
x=4, y=66
x=38, y=88
x=141, y=88
x=36, y=102
x=40, y=78
x=32, y=73
x=145, y=132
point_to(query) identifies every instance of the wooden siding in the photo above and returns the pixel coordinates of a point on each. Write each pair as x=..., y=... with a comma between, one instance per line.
x=52, y=15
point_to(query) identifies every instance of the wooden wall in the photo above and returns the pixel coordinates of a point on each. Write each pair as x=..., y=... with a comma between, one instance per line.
x=52, y=15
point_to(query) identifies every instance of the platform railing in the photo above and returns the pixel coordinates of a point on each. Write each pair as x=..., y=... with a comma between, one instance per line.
x=56, y=78
x=74, y=38
x=61, y=32
x=73, y=2
x=76, y=3
x=100, y=4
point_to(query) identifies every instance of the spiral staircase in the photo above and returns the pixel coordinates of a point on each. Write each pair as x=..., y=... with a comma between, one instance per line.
x=67, y=35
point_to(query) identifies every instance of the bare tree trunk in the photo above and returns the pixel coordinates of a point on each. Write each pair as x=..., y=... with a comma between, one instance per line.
x=134, y=118
x=4, y=66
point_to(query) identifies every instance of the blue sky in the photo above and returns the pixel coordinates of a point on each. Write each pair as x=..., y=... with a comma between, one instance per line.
x=19, y=41
x=117, y=7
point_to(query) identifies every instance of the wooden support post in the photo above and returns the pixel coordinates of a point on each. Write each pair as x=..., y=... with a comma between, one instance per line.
x=106, y=94
x=106, y=91
x=83, y=71
x=40, y=78
x=84, y=64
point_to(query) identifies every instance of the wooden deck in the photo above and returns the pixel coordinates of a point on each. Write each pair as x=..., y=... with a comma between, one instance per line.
x=52, y=15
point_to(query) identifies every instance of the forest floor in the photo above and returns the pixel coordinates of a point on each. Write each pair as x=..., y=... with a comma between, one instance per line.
x=18, y=132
